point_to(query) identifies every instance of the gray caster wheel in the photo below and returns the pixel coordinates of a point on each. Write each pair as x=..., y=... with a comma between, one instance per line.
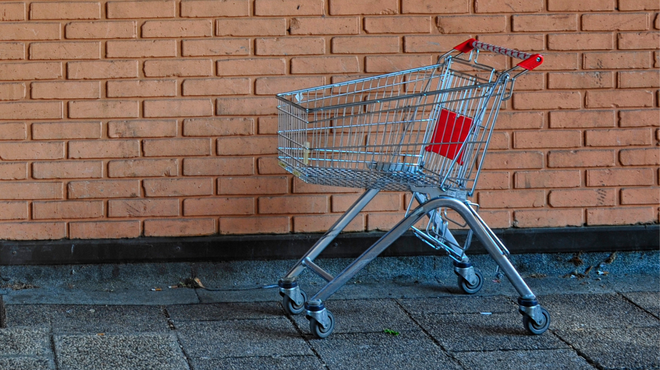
x=291, y=307
x=534, y=328
x=317, y=329
x=468, y=288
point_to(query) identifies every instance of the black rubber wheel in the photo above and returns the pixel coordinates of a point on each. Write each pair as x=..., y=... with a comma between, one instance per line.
x=534, y=328
x=318, y=331
x=291, y=307
x=468, y=288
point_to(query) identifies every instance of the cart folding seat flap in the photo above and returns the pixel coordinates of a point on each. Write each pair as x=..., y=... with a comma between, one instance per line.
x=425, y=130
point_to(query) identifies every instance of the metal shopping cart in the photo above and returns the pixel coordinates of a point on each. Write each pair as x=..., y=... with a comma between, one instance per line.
x=424, y=130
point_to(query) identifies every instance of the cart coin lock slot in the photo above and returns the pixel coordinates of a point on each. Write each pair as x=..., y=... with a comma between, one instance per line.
x=450, y=133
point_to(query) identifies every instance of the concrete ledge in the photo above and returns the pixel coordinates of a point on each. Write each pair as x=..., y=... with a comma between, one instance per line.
x=293, y=246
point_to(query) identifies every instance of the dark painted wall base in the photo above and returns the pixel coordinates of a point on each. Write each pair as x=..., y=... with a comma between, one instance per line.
x=293, y=246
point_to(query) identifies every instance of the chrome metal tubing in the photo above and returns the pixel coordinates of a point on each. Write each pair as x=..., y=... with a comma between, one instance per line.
x=317, y=269
x=481, y=230
x=332, y=233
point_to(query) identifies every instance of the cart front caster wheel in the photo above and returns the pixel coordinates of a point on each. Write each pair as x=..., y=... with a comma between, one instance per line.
x=291, y=307
x=318, y=330
x=540, y=328
x=468, y=288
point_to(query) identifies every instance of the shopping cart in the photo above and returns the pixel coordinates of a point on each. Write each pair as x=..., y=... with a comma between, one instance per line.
x=424, y=130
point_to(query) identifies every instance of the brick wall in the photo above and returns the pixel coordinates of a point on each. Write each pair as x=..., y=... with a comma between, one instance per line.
x=121, y=119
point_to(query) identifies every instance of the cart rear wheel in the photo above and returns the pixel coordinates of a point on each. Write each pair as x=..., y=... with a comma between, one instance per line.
x=534, y=328
x=291, y=307
x=468, y=288
x=318, y=330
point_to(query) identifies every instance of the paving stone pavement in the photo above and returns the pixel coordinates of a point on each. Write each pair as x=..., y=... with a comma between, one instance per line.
x=607, y=321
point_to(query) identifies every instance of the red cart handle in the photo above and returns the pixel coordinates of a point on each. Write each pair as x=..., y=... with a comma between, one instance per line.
x=530, y=61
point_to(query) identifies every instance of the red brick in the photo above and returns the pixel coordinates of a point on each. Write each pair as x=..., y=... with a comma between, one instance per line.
x=582, y=198
x=178, y=68
x=270, y=166
x=640, y=196
x=512, y=199
x=32, y=230
x=141, y=88
x=251, y=27
x=143, y=207
x=176, y=147
x=619, y=98
x=559, y=62
x=141, y=9
x=399, y=24
x=104, y=189
x=103, y=109
x=619, y=137
x=31, y=190
x=580, y=41
x=255, y=225
x=104, y=230
x=548, y=218
x=218, y=166
x=218, y=126
x=494, y=181
x=218, y=206
x=366, y=45
x=258, y=185
x=615, y=22
x=345, y=7
x=67, y=170
x=520, y=120
x=639, y=5
x=321, y=223
x=589, y=118
x=325, y=26
x=508, y=6
x=177, y=187
x=65, y=50
x=13, y=131
x=12, y=50
x=382, y=202
x=290, y=45
x=31, y=150
x=104, y=149
x=140, y=48
x=268, y=125
x=547, y=139
x=620, y=177
x=31, y=31
x=639, y=157
x=245, y=106
x=583, y=5
x=274, y=85
x=180, y=227
x=251, y=67
x=471, y=24
x=215, y=86
x=500, y=141
x=544, y=22
x=206, y=9
x=392, y=63
x=65, y=10
x=215, y=47
x=547, y=179
x=241, y=145
x=288, y=7
x=639, y=40
x=13, y=171
x=513, y=160
x=620, y=216
x=182, y=28
x=301, y=187
x=101, y=30
x=617, y=60
x=142, y=128
x=13, y=210
x=547, y=100
x=143, y=168
x=434, y=7
x=102, y=69
x=178, y=108
x=637, y=79
x=581, y=80
x=65, y=90
x=67, y=209
x=426, y=44
x=639, y=118
x=318, y=65
x=293, y=204
x=581, y=158
x=12, y=11
x=380, y=221
x=30, y=71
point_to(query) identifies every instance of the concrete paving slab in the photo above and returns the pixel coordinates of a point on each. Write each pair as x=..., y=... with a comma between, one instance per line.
x=25, y=342
x=523, y=360
x=126, y=295
x=595, y=311
x=241, y=338
x=225, y=311
x=459, y=304
x=619, y=348
x=115, y=352
x=271, y=363
x=26, y=363
x=650, y=301
x=382, y=351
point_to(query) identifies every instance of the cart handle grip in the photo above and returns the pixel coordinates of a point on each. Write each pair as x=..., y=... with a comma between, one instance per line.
x=530, y=61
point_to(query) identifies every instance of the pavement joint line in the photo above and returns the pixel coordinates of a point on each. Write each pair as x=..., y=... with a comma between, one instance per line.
x=586, y=357
x=306, y=339
x=623, y=296
x=183, y=350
